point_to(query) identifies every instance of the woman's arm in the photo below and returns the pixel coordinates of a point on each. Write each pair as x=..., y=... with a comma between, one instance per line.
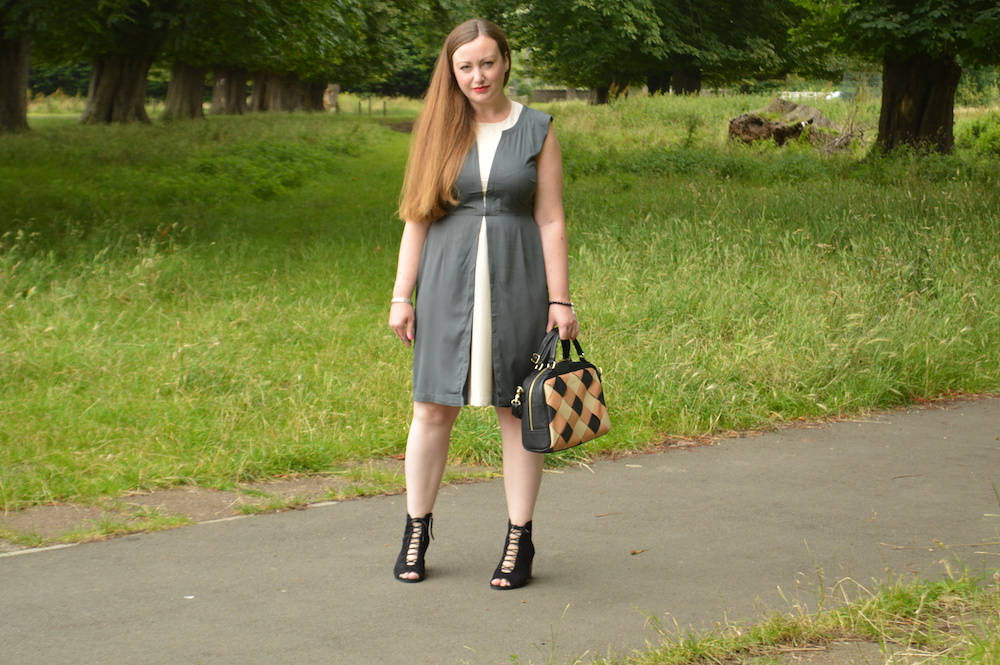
x=401, y=316
x=551, y=220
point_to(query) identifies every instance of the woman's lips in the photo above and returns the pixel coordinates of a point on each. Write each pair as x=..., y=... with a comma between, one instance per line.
x=482, y=89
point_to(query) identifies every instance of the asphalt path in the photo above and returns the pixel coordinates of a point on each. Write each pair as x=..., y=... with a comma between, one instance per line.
x=684, y=538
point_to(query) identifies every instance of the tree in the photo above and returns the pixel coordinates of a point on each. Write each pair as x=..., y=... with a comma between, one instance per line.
x=588, y=44
x=292, y=45
x=922, y=45
x=16, y=23
x=401, y=46
x=668, y=44
x=223, y=36
x=121, y=38
x=721, y=42
x=301, y=45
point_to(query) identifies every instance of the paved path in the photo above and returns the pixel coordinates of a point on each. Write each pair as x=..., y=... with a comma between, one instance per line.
x=687, y=536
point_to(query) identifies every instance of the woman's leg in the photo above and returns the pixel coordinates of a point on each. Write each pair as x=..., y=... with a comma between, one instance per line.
x=522, y=470
x=522, y=478
x=427, y=454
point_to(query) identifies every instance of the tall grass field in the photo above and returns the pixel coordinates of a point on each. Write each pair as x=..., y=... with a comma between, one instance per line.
x=206, y=302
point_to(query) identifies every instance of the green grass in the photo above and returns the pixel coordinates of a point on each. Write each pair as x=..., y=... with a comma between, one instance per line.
x=953, y=621
x=206, y=302
x=111, y=524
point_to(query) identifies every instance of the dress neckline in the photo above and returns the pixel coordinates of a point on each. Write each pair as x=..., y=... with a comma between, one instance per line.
x=506, y=123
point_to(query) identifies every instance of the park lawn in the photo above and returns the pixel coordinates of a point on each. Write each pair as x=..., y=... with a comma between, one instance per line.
x=205, y=303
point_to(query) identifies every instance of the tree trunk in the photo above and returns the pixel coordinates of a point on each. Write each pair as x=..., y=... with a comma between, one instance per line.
x=229, y=94
x=312, y=96
x=686, y=81
x=257, y=92
x=603, y=93
x=918, y=103
x=186, y=93
x=15, y=58
x=331, y=97
x=275, y=92
x=658, y=82
x=117, y=90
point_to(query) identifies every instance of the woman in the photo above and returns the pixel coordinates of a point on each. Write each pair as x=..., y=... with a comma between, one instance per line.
x=484, y=246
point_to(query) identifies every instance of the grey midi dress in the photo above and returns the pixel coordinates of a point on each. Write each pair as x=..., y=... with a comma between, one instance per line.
x=446, y=280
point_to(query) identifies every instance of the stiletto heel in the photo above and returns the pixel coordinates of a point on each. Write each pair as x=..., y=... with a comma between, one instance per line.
x=417, y=536
x=515, y=562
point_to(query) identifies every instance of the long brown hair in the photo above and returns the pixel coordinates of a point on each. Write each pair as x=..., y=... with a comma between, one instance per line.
x=444, y=132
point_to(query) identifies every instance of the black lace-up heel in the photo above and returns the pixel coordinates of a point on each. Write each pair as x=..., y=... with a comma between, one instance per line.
x=515, y=562
x=417, y=536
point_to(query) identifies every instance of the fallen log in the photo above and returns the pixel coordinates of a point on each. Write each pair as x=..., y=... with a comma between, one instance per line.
x=783, y=121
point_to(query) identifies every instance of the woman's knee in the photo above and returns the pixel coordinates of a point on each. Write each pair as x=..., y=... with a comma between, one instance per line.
x=429, y=414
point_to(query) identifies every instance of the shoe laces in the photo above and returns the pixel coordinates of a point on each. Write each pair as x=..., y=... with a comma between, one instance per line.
x=512, y=548
x=417, y=526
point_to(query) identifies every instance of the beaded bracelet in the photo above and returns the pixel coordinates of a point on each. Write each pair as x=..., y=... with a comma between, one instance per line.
x=406, y=300
x=565, y=304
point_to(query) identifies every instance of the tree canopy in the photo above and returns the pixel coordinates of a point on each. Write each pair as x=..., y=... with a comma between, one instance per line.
x=587, y=44
x=668, y=44
x=723, y=43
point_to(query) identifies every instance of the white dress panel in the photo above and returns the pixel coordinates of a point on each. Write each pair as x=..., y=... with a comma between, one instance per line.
x=481, y=363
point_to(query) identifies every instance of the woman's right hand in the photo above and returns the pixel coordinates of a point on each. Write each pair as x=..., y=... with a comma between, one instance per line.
x=402, y=321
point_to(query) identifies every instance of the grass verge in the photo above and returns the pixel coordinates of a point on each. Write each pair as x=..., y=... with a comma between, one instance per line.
x=952, y=621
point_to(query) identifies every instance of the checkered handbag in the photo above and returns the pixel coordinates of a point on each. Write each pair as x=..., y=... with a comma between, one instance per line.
x=561, y=403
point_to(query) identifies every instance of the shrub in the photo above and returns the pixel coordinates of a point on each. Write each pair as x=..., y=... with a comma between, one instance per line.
x=981, y=135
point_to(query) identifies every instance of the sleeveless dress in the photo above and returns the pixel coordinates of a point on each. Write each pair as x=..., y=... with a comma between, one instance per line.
x=494, y=222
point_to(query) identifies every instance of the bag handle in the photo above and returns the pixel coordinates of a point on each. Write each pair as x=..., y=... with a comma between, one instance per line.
x=546, y=355
x=565, y=349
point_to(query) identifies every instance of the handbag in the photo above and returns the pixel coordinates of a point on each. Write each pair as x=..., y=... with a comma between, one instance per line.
x=561, y=403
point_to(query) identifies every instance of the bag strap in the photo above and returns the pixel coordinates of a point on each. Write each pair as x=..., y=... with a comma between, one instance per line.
x=565, y=349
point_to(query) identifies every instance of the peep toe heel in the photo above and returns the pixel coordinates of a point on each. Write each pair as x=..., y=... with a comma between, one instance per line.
x=416, y=538
x=515, y=562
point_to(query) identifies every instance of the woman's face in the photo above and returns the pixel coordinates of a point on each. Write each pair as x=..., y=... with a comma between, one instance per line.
x=479, y=69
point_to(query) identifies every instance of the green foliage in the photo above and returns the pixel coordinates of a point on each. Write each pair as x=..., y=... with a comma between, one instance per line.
x=966, y=29
x=588, y=44
x=982, y=135
x=72, y=30
x=729, y=42
x=980, y=86
x=71, y=79
x=19, y=18
x=316, y=40
x=404, y=43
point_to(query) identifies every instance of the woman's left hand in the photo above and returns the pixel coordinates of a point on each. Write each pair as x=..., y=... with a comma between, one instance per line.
x=565, y=318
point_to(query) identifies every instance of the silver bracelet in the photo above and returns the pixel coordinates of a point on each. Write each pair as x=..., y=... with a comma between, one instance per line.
x=406, y=300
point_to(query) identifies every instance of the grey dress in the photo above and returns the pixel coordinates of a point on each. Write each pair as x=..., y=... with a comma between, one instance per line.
x=446, y=278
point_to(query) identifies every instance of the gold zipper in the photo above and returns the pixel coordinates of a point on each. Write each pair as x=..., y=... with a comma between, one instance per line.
x=531, y=412
x=531, y=390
